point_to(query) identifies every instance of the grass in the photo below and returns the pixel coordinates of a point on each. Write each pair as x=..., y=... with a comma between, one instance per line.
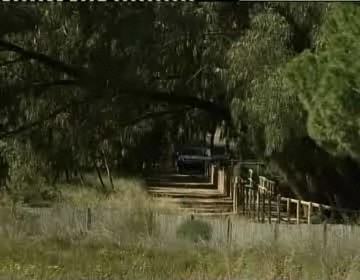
x=131, y=238
x=39, y=258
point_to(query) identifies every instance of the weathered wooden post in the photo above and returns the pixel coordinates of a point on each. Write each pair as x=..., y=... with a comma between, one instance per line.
x=221, y=181
x=269, y=205
x=236, y=188
x=309, y=213
x=263, y=206
x=298, y=212
x=225, y=182
x=88, y=219
x=278, y=208
x=325, y=234
x=246, y=199
x=251, y=190
x=276, y=232
x=236, y=195
x=229, y=231
x=212, y=174
x=288, y=201
x=257, y=204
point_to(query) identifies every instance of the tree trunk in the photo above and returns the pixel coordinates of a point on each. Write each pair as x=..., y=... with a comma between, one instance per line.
x=98, y=172
x=82, y=180
x=212, y=136
x=108, y=170
x=67, y=175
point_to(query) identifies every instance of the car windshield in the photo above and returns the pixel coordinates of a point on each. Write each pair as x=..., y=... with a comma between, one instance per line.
x=218, y=150
x=194, y=152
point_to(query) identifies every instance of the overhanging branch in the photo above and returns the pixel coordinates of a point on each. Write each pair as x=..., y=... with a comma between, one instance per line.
x=14, y=89
x=47, y=117
x=152, y=115
x=42, y=58
x=12, y=61
x=146, y=116
x=216, y=109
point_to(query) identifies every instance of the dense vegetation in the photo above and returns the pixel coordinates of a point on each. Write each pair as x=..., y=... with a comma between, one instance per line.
x=88, y=88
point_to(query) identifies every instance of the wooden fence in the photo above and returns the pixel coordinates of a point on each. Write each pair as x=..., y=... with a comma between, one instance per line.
x=262, y=202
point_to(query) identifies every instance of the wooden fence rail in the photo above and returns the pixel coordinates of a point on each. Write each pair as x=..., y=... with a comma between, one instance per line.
x=262, y=202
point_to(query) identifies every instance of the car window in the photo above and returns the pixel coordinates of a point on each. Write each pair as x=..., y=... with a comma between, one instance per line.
x=195, y=152
x=218, y=150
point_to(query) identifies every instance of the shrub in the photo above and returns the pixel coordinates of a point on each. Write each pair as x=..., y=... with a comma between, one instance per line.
x=27, y=174
x=194, y=230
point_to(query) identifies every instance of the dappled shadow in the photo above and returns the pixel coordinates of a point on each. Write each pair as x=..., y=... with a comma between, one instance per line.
x=180, y=181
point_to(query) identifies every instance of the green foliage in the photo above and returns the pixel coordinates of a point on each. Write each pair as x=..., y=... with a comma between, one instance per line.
x=256, y=73
x=194, y=230
x=102, y=88
x=27, y=172
x=327, y=82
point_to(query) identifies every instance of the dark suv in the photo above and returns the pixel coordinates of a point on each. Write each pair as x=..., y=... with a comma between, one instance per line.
x=192, y=159
x=195, y=159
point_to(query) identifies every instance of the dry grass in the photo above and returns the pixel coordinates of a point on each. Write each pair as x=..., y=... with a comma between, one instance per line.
x=130, y=237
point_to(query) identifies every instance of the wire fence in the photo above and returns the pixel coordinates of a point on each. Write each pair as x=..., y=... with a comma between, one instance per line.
x=119, y=224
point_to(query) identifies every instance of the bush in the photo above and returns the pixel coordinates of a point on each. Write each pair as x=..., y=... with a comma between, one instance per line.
x=27, y=171
x=194, y=230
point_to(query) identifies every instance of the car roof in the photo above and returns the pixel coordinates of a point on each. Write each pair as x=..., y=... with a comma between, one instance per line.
x=192, y=147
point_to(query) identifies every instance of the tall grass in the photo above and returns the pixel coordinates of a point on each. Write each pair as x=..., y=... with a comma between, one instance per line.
x=132, y=237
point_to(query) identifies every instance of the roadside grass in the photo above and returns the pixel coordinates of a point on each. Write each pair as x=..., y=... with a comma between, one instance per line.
x=126, y=242
x=128, y=193
x=39, y=258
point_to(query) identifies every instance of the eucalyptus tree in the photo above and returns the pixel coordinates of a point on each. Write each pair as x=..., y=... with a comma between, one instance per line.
x=328, y=85
x=83, y=74
x=89, y=86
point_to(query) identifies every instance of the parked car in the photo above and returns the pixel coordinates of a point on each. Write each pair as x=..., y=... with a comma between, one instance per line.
x=195, y=159
x=219, y=154
x=192, y=159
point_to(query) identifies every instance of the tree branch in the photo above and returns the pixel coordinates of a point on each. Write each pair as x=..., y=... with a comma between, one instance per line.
x=44, y=59
x=9, y=62
x=218, y=110
x=54, y=83
x=48, y=117
x=152, y=115
x=146, y=116
x=15, y=89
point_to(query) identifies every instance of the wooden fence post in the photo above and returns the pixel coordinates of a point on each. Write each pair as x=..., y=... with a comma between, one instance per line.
x=269, y=206
x=243, y=198
x=235, y=195
x=288, y=209
x=278, y=208
x=276, y=232
x=229, y=231
x=298, y=212
x=246, y=190
x=249, y=202
x=239, y=195
x=324, y=234
x=88, y=219
x=262, y=206
x=252, y=203
x=258, y=205
x=309, y=213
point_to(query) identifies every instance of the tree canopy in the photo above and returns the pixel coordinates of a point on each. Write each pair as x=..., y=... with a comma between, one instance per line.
x=327, y=83
x=92, y=87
